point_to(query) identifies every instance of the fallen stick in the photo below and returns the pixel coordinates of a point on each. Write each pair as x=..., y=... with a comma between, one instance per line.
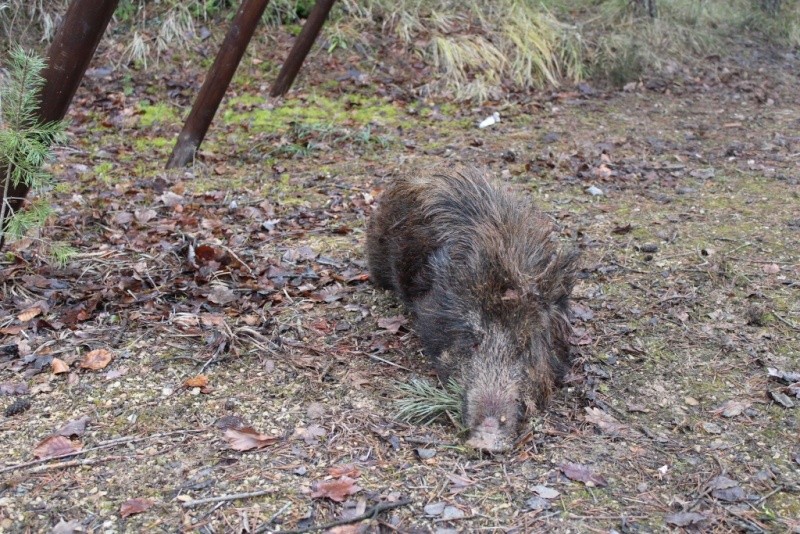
x=75, y=463
x=231, y=497
x=103, y=445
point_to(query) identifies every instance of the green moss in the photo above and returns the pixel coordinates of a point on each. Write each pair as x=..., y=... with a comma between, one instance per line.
x=158, y=113
x=151, y=144
x=293, y=29
x=103, y=172
x=314, y=110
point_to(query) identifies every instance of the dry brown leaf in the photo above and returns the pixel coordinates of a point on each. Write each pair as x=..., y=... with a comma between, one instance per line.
x=349, y=470
x=14, y=388
x=247, y=439
x=199, y=381
x=134, y=506
x=392, y=324
x=11, y=330
x=74, y=428
x=96, y=359
x=143, y=216
x=732, y=408
x=605, y=422
x=55, y=446
x=336, y=490
x=212, y=319
x=310, y=434
x=582, y=473
x=28, y=314
x=221, y=295
x=59, y=366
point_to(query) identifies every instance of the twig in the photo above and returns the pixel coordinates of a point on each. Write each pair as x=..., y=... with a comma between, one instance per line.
x=106, y=445
x=369, y=514
x=230, y=497
x=770, y=494
x=265, y=526
x=232, y=253
x=75, y=463
x=378, y=358
x=787, y=322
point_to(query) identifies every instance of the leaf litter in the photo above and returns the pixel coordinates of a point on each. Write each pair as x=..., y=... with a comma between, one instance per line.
x=187, y=268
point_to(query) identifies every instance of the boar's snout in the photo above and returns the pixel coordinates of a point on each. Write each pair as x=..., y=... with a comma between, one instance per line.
x=489, y=436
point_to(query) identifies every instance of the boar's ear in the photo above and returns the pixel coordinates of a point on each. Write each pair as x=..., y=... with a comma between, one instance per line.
x=555, y=282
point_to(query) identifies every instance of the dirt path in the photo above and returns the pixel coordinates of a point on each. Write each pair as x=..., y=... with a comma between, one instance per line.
x=248, y=270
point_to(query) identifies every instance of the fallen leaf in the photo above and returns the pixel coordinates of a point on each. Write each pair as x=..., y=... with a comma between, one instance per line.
x=143, y=216
x=134, y=506
x=545, y=492
x=247, y=439
x=580, y=336
x=781, y=399
x=221, y=295
x=605, y=422
x=582, y=473
x=581, y=311
x=721, y=482
x=171, y=199
x=199, y=381
x=712, y=428
x=29, y=313
x=310, y=434
x=123, y=217
x=67, y=527
x=59, y=366
x=537, y=503
x=11, y=330
x=784, y=376
x=335, y=490
x=14, y=388
x=434, y=509
x=116, y=373
x=212, y=319
x=392, y=324
x=54, y=446
x=74, y=428
x=460, y=482
x=348, y=470
x=96, y=359
x=684, y=519
x=425, y=454
x=726, y=489
x=732, y=408
x=451, y=513
x=205, y=253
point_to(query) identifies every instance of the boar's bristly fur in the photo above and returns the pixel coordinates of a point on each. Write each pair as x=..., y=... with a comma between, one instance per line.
x=488, y=285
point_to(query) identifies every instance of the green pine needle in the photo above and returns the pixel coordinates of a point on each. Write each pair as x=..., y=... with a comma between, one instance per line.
x=423, y=402
x=26, y=144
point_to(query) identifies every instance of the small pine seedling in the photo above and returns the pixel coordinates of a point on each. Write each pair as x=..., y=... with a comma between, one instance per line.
x=25, y=145
x=423, y=403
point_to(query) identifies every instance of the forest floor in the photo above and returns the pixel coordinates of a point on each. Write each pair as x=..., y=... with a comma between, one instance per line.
x=227, y=307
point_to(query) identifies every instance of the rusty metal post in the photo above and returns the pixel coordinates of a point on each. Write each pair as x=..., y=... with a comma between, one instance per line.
x=68, y=57
x=301, y=47
x=216, y=82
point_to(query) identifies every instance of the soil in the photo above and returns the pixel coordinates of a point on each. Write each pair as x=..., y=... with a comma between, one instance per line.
x=253, y=368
